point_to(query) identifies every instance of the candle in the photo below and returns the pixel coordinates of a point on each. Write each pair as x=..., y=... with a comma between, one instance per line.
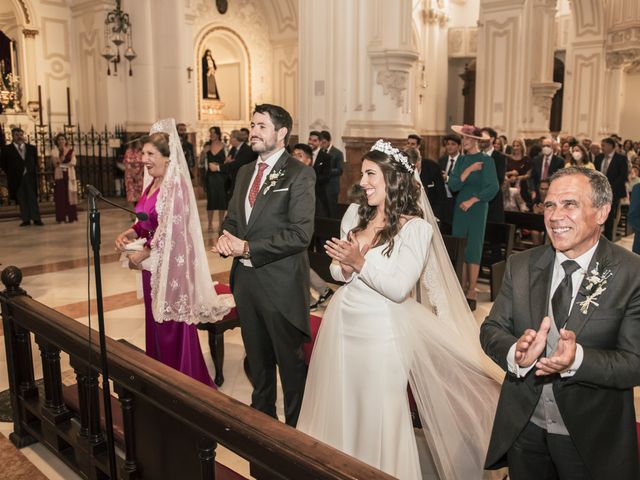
x=40, y=103
x=68, y=107
x=13, y=60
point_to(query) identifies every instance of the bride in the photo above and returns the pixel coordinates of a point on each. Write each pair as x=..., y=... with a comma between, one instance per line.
x=376, y=337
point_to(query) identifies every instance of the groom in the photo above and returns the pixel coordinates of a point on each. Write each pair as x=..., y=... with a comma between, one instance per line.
x=267, y=230
x=566, y=327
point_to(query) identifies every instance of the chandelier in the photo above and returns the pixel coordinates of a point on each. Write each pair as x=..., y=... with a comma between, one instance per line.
x=117, y=31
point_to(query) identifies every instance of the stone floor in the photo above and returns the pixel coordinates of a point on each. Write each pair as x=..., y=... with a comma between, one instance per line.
x=53, y=260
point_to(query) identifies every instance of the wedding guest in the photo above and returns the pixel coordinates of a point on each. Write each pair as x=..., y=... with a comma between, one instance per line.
x=474, y=178
x=375, y=338
x=544, y=165
x=337, y=162
x=187, y=148
x=615, y=167
x=214, y=156
x=579, y=154
x=519, y=163
x=242, y=156
x=304, y=154
x=512, y=199
x=322, y=164
x=133, y=171
x=65, y=193
x=565, y=329
x=452, y=144
x=178, y=291
x=20, y=163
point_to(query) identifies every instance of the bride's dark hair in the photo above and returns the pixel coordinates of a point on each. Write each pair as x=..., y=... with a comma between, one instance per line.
x=402, y=194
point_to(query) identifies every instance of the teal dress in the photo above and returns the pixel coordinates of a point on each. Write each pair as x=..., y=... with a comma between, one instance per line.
x=482, y=184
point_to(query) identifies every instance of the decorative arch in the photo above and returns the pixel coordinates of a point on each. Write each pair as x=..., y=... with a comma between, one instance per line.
x=25, y=14
x=589, y=18
x=235, y=43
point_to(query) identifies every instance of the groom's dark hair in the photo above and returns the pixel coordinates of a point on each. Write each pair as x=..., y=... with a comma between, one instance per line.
x=279, y=116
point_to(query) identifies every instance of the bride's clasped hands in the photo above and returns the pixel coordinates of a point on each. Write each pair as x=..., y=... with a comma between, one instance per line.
x=348, y=253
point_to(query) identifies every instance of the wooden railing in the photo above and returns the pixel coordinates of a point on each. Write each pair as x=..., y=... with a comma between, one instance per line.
x=171, y=424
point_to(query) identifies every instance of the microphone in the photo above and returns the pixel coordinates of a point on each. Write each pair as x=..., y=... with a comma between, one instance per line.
x=93, y=191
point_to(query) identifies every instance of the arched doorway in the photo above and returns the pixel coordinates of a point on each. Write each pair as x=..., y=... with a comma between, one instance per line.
x=555, y=118
x=232, y=76
x=469, y=92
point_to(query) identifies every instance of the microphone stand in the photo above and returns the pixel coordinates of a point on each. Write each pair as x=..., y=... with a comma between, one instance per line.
x=94, y=234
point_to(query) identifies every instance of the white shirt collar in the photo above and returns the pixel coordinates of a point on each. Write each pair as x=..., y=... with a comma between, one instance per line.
x=583, y=260
x=455, y=157
x=489, y=152
x=271, y=161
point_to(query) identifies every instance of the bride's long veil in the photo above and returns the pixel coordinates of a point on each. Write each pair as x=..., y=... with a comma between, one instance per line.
x=455, y=385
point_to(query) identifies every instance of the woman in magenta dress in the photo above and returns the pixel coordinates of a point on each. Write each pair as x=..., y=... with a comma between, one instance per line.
x=65, y=192
x=177, y=286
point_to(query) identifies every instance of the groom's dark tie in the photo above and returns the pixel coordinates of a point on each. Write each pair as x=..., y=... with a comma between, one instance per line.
x=561, y=300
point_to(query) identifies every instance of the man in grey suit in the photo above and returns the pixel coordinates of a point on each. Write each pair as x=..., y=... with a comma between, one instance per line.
x=566, y=328
x=267, y=230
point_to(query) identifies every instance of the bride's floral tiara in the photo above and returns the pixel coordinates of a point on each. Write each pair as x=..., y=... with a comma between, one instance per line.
x=394, y=153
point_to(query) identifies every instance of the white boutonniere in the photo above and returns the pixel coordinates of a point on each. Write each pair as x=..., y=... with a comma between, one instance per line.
x=271, y=181
x=593, y=286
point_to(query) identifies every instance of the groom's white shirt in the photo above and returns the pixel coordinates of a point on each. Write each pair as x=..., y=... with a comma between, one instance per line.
x=271, y=161
x=576, y=280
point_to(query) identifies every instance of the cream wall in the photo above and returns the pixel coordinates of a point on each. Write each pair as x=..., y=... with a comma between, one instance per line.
x=630, y=110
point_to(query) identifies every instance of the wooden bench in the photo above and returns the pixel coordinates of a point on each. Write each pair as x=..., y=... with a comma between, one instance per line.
x=500, y=237
x=455, y=248
x=323, y=229
x=529, y=221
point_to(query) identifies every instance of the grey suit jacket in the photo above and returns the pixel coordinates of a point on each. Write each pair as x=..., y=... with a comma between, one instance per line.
x=279, y=231
x=596, y=404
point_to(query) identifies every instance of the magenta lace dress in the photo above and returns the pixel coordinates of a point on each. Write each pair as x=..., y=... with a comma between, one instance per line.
x=175, y=344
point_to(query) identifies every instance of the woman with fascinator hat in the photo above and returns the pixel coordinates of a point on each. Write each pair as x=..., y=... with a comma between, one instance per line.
x=474, y=178
x=177, y=286
x=400, y=318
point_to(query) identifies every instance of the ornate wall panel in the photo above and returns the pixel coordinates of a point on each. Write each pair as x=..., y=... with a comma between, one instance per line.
x=585, y=82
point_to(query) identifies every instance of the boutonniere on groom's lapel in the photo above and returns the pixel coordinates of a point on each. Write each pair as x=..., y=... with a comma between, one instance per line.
x=271, y=180
x=593, y=286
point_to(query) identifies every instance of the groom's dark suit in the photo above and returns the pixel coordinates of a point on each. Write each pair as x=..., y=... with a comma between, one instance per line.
x=596, y=404
x=272, y=295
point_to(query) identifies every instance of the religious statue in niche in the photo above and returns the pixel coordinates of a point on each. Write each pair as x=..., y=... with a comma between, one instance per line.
x=209, y=86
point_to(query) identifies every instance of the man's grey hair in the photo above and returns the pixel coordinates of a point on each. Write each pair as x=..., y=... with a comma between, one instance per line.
x=601, y=194
x=238, y=135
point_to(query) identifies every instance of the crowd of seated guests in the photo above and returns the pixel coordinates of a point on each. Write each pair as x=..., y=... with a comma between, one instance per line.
x=530, y=162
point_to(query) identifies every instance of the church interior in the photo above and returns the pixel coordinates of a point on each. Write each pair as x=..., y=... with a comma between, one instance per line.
x=102, y=72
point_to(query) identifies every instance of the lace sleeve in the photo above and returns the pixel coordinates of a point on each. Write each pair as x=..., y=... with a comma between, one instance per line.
x=398, y=276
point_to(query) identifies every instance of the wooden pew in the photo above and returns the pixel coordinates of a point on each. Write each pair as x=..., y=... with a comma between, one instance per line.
x=171, y=423
x=455, y=248
x=500, y=236
x=323, y=229
x=529, y=221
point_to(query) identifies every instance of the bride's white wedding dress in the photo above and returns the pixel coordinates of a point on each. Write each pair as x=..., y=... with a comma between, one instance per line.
x=374, y=339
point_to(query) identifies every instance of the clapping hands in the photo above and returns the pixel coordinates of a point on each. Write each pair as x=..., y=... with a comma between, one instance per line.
x=347, y=252
x=531, y=346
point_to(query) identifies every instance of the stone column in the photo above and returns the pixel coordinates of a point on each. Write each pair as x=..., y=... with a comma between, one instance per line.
x=356, y=61
x=430, y=88
x=584, y=72
x=514, y=83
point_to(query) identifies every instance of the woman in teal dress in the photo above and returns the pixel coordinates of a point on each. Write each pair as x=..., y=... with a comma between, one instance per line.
x=474, y=178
